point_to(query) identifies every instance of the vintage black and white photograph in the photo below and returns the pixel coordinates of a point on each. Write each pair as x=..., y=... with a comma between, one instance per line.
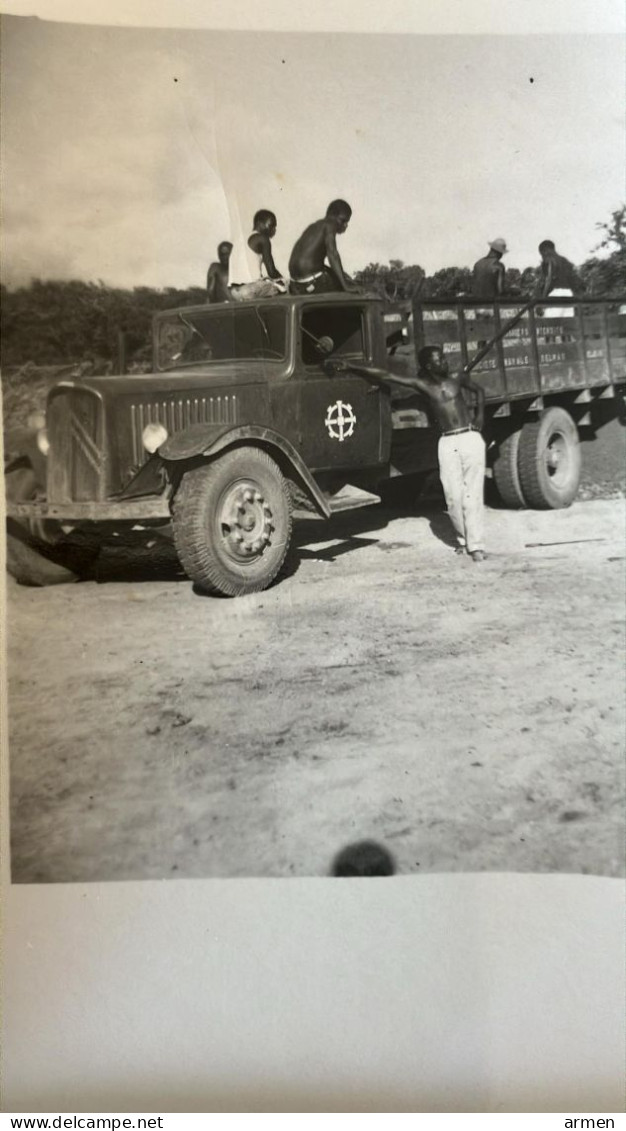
x=313, y=375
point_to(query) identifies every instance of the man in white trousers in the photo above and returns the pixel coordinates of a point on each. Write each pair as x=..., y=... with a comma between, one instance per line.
x=461, y=448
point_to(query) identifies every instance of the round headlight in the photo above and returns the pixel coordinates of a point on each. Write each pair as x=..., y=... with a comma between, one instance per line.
x=153, y=436
x=43, y=442
x=35, y=421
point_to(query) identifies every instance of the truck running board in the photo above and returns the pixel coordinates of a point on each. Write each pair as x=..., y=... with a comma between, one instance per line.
x=347, y=499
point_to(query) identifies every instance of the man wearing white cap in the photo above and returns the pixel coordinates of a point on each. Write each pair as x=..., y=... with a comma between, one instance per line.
x=488, y=275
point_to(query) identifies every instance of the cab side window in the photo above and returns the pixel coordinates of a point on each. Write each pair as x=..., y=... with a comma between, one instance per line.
x=344, y=324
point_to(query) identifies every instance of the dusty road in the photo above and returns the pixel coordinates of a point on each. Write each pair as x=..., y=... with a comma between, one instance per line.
x=469, y=716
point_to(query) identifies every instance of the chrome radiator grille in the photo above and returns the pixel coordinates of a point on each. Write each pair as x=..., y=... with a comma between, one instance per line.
x=76, y=463
x=179, y=413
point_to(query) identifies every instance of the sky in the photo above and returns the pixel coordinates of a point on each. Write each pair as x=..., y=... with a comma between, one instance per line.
x=128, y=154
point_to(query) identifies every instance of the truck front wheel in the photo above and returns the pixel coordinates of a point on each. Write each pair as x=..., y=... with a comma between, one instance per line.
x=549, y=460
x=232, y=522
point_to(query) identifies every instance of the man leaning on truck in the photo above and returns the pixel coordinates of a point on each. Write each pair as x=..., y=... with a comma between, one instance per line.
x=461, y=450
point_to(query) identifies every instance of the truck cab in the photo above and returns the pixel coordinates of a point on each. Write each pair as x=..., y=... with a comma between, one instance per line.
x=270, y=359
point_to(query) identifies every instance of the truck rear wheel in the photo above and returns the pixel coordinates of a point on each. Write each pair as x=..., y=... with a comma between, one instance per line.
x=506, y=473
x=549, y=460
x=232, y=522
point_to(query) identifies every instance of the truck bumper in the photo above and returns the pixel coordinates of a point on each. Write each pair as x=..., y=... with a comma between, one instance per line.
x=107, y=510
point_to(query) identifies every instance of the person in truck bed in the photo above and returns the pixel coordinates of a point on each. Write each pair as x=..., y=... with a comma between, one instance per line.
x=557, y=276
x=314, y=264
x=461, y=450
x=488, y=273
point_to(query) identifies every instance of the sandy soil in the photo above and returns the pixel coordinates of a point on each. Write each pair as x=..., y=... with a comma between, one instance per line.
x=468, y=716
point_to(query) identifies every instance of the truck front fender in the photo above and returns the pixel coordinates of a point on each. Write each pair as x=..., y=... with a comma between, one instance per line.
x=210, y=440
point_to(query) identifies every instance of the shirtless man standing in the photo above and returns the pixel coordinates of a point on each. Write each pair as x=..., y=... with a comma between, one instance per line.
x=461, y=448
x=217, y=275
x=315, y=266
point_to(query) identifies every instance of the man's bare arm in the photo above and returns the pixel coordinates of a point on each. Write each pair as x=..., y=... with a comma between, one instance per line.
x=479, y=393
x=380, y=376
x=262, y=245
x=268, y=259
x=545, y=281
x=332, y=255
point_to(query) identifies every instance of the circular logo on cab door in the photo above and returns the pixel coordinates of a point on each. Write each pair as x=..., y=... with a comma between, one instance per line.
x=340, y=421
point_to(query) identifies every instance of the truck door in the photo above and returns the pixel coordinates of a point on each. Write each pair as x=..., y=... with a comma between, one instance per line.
x=343, y=420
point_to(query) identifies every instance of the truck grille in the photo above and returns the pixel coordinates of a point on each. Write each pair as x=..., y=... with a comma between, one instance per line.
x=178, y=414
x=76, y=462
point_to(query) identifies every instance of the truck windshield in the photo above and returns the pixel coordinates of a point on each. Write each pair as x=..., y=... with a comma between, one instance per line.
x=200, y=337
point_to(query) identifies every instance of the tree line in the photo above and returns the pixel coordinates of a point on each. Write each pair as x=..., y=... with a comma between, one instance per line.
x=601, y=276
x=53, y=322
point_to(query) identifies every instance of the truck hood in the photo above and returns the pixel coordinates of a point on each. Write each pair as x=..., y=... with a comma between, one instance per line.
x=190, y=377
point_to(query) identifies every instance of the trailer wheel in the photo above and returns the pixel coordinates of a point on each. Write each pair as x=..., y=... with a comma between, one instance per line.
x=232, y=522
x=506, y=472
x=549, y=460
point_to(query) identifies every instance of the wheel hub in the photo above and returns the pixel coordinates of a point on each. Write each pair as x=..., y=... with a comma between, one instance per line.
x=556, y=457
x=246, y=521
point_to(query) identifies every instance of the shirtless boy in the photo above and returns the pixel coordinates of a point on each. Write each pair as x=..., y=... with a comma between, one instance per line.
x=260, y=242
x=217, y=275
x=315, y=266
x=461, y=448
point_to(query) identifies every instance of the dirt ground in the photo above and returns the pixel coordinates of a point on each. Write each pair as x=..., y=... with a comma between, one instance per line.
x=470, y=717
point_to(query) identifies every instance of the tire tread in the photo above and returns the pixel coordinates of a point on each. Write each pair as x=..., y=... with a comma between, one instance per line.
x=529, y=462
x=506, y=472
